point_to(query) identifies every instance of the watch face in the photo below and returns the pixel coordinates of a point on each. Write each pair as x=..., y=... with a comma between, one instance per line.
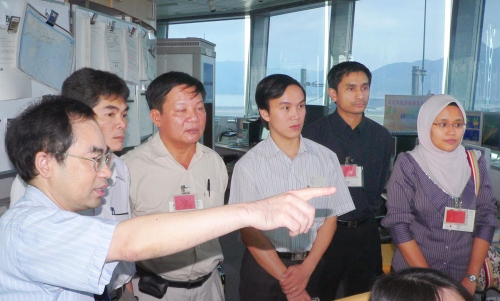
x=472, y=278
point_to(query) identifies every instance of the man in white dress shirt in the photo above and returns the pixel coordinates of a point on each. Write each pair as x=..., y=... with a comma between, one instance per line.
x=276, y=266
x=107, y=95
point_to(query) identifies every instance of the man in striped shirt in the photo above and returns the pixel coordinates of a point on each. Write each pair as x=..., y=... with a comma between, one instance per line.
x=276, y=266
x=49, y=252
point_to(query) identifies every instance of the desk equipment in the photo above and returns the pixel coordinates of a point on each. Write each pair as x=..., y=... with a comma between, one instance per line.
x=251, y=132
x=473, y=128
x=491, y=130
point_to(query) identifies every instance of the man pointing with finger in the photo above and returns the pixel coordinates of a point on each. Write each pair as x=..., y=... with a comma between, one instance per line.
x=49, y=252
x=276, y=266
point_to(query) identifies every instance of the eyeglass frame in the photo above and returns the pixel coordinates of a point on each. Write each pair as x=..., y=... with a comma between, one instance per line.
x=108, y=159
x=453, y=125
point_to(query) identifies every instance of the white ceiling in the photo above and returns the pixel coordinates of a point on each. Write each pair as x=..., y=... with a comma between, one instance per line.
x=179, y=9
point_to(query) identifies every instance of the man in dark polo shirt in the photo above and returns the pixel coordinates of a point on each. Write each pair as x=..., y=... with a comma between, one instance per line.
x=363, y=147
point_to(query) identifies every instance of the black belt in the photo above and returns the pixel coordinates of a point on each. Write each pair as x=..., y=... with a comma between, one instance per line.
x=293, y=256
x=191, y=283
x=352, y=224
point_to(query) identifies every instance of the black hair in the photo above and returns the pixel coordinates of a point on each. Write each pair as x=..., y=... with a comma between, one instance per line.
x=46, y=126
x=163, y=84
x=453, y=104
x=338, y=71
x=272, y=87
x=416, y=284
x=88, y=85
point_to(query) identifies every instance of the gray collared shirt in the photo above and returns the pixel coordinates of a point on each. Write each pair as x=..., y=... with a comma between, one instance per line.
x=266, y=171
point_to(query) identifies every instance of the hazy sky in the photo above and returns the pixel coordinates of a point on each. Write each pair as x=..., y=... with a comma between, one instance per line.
x=390, y=31
x=385, y=31
x=229, y=36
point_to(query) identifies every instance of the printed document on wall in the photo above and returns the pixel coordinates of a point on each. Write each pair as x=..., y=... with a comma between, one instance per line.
x=132, y=58
x=98, y=46
x=132, y=135
x=144, y=55
x=13, y=84
x=82, y=39
x=115, y=43
x=146, y=124
x=45, y=52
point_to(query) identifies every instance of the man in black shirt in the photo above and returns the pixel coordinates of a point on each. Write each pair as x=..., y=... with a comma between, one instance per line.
x=363, y=146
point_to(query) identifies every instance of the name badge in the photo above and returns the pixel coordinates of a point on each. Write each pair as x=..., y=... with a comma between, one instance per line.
x=184, y=202
x=459, y=219
x=353, y=175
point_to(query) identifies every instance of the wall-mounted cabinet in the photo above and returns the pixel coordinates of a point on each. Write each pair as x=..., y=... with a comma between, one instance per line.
x=144, y=10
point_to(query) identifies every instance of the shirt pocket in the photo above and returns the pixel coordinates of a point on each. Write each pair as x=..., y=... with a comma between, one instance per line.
x=215, y=199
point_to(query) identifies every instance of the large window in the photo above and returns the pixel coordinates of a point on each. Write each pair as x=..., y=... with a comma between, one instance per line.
x=487, y=93
x=229, y=37
x=389, y=40
x=297, y=48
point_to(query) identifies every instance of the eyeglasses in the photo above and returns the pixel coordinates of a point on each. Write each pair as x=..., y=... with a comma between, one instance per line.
x=99, y=161
x=456, y=126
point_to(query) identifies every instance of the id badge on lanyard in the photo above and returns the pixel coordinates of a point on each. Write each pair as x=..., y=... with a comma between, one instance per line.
x=353, y=174
x=185, y=201
x=458, y=219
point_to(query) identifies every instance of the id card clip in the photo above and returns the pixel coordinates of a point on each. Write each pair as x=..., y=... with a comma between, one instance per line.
x=184, y=189
x=13, y=24
x=111, y=25
x=51, y=17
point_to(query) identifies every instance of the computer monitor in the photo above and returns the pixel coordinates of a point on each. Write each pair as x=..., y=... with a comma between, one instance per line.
x=491, y=130
x=474, y=124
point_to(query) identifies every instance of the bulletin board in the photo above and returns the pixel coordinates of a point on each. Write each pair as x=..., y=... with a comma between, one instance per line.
x=114, y=45
x=14, y=83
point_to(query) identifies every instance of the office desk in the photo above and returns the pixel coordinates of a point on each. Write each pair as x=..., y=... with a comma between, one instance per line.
x=224, y=149
x=387, y=253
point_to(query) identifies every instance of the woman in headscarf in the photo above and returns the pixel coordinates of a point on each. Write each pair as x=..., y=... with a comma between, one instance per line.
x=441, y=213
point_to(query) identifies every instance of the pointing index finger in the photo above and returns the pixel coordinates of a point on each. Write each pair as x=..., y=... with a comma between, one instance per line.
x=309, y=193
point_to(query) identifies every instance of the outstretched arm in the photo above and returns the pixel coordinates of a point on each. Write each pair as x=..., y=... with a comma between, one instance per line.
x=159, y=235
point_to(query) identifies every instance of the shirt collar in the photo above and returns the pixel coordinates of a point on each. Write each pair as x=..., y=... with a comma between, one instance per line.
x=158, y=149
x=39, y=198
x=337, y=122
x=117, y=173
x=271, y=149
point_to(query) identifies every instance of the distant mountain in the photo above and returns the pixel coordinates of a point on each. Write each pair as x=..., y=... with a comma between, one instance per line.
x=389, y=79
x=396, y=78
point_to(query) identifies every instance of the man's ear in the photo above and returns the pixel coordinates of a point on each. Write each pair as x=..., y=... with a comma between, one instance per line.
x=264, y=114
x=333, y=94
x=43, y=164
x=155, y=117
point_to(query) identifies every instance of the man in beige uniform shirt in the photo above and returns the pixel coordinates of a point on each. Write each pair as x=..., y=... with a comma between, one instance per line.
x=174, y=172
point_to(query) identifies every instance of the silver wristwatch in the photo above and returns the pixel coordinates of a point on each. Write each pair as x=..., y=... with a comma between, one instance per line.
x=471, y=277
